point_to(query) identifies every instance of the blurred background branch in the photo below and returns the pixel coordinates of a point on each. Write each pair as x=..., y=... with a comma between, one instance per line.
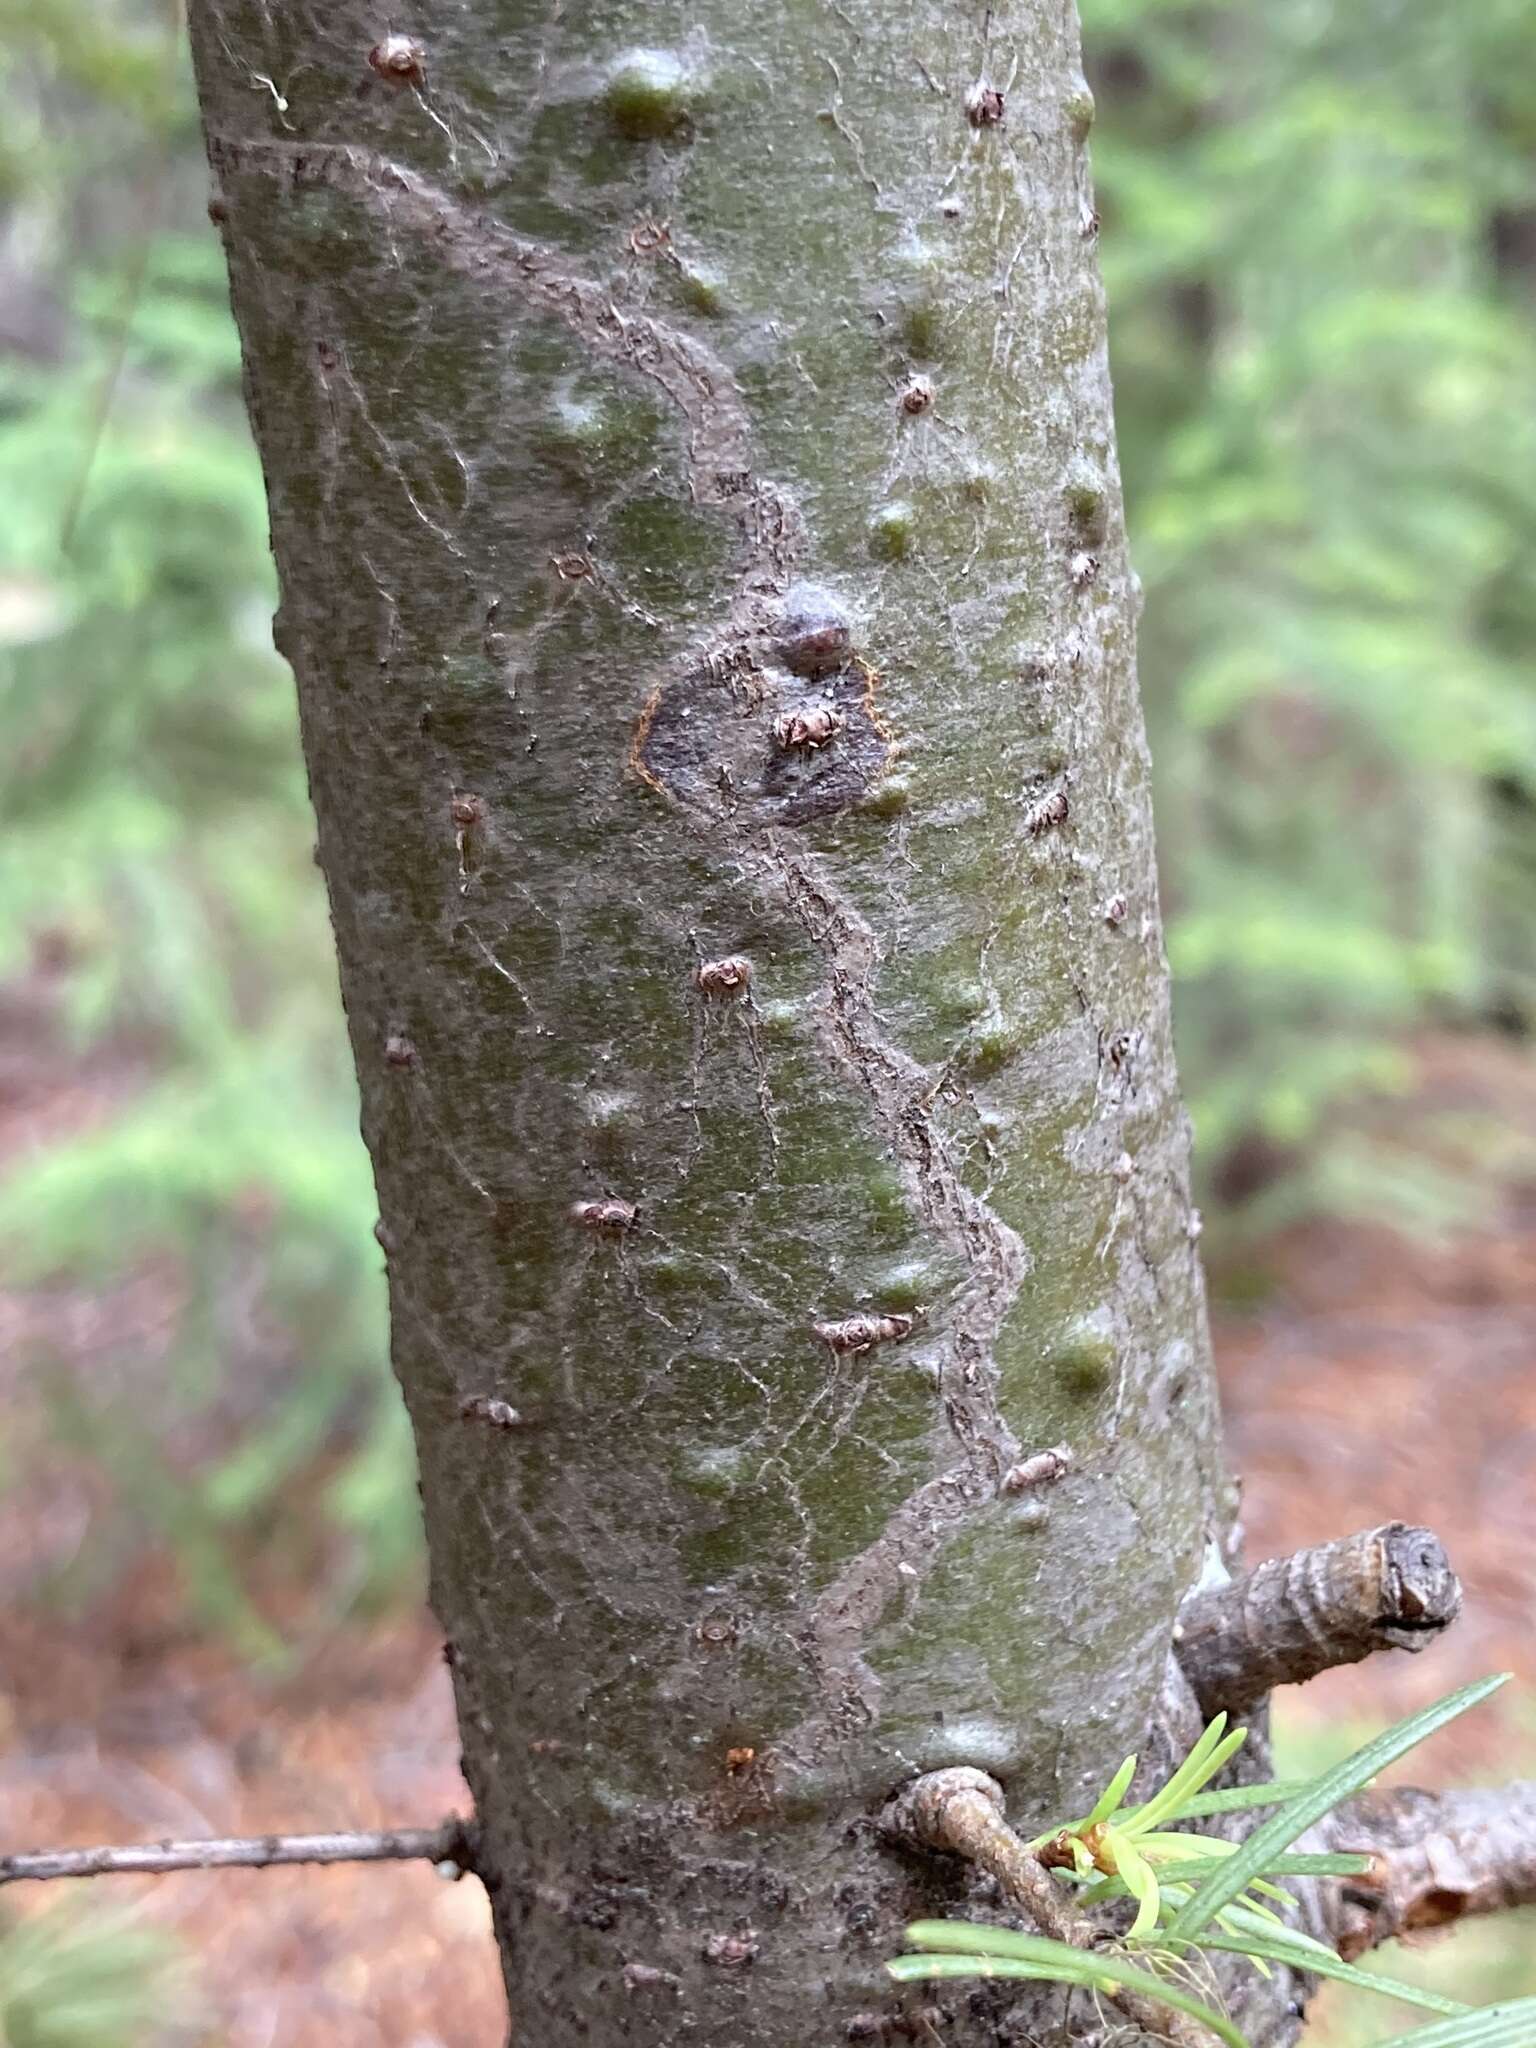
x=450, y=1843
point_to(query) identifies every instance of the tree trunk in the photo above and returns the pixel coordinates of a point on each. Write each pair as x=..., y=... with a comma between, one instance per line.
x=688, y=437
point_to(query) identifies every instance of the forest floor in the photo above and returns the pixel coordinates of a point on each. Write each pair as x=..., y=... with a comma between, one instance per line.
x=1378, y=1379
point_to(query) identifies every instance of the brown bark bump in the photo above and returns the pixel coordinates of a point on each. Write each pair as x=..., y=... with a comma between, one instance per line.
x=1292, y=1617
x=726, y=978
x=399, y=60
x=921, y=1812
x=1438, y=1857
x=962, y=1811
x=984, y=105
x=1044, y=1468
x=856, y=1334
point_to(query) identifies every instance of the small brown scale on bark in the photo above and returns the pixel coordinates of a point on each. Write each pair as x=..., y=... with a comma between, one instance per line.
x=1050, y=811
x=1043, y=1469
x=486, y=1408
x=862, y=1333
x=609, y=1215
x=811, y=726
x=399, y=61
x=984, y=106
x=725, y=978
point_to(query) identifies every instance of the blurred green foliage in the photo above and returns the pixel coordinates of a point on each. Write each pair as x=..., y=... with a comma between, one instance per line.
x=1320, y=238
x=1320, y=249
x=79, y=1977
x=156, y=873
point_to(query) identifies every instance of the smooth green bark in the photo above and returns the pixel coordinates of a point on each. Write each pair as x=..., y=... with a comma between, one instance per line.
x=629, y=380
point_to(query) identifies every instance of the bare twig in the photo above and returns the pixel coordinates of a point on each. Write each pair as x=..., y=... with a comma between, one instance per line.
x=1437, y=1857
x=1387, y=1588
x=451, y=1842
x=961, y=1810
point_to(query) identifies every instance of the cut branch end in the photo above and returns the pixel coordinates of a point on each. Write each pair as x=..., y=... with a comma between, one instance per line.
x=1281, y=1624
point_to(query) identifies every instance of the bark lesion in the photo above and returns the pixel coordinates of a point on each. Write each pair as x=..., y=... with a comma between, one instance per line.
x=698, y=741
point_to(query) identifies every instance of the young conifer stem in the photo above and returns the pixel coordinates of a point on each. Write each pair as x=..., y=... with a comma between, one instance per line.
x=962, y=1811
